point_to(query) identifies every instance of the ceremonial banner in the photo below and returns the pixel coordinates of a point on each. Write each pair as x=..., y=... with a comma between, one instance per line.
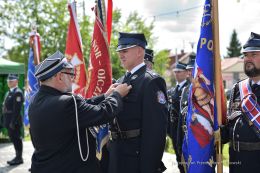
x=99, y=72
x=202, y=121
x=74, y=53
x=32, y=85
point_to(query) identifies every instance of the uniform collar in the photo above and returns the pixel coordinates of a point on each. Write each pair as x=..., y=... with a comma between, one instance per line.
x=181, y=83
x=13, y=89
x=137, y=67
x=50, y=90
x=258, y=83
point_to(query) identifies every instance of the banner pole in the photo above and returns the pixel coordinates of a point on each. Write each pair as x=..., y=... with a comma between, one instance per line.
x=217, y=73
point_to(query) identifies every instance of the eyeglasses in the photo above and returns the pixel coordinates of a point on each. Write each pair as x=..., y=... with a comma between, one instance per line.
x=72, y=75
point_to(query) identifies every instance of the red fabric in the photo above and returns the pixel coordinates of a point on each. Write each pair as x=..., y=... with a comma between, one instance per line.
x=74, y=54
x=100, y=73
x=201, y=135
x=109, y=19
x=249, y=104
x=35, y=43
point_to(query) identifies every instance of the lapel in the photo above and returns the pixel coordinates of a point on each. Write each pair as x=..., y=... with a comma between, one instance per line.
x=136, y=75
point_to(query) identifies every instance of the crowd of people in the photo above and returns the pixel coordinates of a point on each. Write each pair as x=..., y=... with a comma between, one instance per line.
x=140, y=111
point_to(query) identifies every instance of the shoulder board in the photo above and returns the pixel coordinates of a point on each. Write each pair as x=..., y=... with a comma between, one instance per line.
x=152, y=74
x=18, y=90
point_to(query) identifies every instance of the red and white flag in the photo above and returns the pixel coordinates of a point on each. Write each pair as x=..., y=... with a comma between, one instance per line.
x=100, y=72
x=74, y=53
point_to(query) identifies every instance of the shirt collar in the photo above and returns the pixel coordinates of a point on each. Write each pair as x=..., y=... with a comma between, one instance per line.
x=137, y=67
x=181, y=83
x=258, y=83
x=12, y=89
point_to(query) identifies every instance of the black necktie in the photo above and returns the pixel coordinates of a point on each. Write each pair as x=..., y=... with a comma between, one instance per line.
x=127, y=78
x=255, y=87
x=176, y=93
x=177, y=87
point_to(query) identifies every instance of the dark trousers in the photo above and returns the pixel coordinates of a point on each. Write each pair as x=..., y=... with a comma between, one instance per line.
x=244, y=161
x=174, y=137
x=104, y=160
x=15, y=137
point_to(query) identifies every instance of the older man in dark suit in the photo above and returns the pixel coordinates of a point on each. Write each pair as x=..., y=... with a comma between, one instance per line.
x=59, y=120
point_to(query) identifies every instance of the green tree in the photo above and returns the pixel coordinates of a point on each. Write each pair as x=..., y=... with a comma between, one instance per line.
x=161, y=61
x=133, y=23
x=234, y=49
x=51, y=18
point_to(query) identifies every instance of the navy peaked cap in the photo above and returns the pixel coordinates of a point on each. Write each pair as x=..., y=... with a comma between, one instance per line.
x=191, y=62
x=252, y=44
x=149, y=55
x=51, y=66
x=128, y=40
x=180, y=67
x=11, y=77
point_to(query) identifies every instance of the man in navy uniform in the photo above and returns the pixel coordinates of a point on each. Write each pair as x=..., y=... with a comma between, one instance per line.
x=148, y=59
x=59, y=120
x=138, y=133
x=242, y=130
x=12, y=117
x=182, y=129
x=174, y=94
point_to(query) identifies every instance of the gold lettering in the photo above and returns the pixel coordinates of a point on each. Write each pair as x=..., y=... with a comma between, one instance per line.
x=210, y=45
x=96, y=50
x=202, y=42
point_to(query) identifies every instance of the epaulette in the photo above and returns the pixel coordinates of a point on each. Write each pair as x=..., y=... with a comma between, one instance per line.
x=19, y=90
x=152, y=74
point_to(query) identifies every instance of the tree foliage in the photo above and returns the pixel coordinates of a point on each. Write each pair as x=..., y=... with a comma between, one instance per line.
x=135, y=24
x=161, y=61
x=234, y=49
x=52, y=19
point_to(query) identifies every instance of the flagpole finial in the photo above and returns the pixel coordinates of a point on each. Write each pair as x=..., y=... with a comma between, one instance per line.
x=34, y=27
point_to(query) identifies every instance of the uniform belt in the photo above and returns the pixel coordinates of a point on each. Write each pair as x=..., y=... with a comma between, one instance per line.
x=248, y=146
x=125, y=134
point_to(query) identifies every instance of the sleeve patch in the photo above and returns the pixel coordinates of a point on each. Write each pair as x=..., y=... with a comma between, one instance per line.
x=161, y=97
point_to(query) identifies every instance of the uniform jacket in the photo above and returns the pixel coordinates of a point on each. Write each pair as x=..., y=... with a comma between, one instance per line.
x=145, y=108
x=12, y=107
x=53, y=130
x=239, y=130
x=183, y=113
x=174, y=97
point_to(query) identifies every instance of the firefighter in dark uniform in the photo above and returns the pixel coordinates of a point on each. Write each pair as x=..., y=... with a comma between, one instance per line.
x=242, y=130
x=174, y=94
x=138, y=133
x=148, y=59
x=182, y=129
x=60, y=120
x=12, y=117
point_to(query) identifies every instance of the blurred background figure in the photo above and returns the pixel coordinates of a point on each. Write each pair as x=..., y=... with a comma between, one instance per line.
x=148, y=59
x=12, y=117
